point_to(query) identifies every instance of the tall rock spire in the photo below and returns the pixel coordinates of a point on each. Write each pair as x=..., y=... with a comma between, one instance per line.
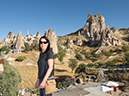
x=51, y=35
x=19, y=41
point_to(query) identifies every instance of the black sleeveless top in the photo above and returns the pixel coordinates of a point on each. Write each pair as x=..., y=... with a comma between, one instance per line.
x=43, y=64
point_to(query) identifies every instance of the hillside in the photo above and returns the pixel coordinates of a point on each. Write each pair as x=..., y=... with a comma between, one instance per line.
x=28, y=67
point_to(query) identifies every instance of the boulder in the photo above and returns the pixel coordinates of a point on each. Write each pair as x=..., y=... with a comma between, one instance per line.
x=51, y=35
x=19, y=41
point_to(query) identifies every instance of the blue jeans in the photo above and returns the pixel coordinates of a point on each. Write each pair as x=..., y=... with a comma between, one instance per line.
x=42, y=91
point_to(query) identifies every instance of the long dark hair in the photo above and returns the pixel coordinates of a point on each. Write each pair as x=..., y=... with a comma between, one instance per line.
x=48, y=47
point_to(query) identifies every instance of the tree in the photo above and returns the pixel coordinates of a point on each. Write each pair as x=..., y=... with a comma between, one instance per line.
x=73, y=64
x=81, y=68
x=5, y=48
x=9, y=80
x=27, y=46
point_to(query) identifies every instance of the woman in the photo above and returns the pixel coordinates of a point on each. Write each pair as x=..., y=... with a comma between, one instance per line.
x=45, y=65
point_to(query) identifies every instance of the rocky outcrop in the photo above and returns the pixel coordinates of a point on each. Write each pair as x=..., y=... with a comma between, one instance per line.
x=51, y=35
x=9, y=38
x=19, y=41
x=98, y=33
x=38, y=36
x=78, y=42
x=78, y=33
x=69, y=43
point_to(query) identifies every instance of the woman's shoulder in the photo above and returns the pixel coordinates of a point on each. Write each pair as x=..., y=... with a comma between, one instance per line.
x=50, y=51
x=50, y=54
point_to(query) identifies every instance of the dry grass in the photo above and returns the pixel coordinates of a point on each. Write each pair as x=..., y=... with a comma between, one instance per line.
x=29, y=72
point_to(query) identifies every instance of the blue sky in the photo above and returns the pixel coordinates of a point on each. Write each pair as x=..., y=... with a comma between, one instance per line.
x=63, y=16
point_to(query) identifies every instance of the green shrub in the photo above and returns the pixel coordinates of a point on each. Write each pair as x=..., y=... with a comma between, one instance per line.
x=21, y=58
x=90, y=65
x=56, y=56
x=106, y=53
x=81, y=68
x=118, y=51
x=33, y=90
x=115, y=60
x=111, y=51
x=111, y=70
x=5, y=48
x=125, y=48
x=9, y=80
x=88, y=55
x=100, y=64
x=36, y=47
x=94, y=59
x=27, y=46
x=61, y=53
x=83, y=52
x=110, y=63
x=73, y=64
x=78, y=56
x=127, y=57
x=59, y=85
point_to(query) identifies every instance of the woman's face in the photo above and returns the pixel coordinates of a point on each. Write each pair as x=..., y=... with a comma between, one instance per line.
x=43, y=44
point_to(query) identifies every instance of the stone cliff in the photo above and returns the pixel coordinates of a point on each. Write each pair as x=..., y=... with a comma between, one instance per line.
x=98, y=34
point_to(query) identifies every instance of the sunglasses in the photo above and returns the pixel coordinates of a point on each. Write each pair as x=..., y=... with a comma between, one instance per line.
x=43, y=42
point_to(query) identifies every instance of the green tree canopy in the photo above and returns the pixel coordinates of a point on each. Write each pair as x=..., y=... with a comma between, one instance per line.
x=73, y=64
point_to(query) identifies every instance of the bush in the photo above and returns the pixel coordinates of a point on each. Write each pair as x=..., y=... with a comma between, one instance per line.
x=118, y=51
x=111, y=70
x=21, y=58
x=60, y=55
x=93, y=60
x=59, y=85
x=127, y=57
x=110, y=63
x=63, y=82
x=36, y=47
x=100, y=64
x=81, y=68
x=106, y=53
x=78, y=56
x=5, y=48
x=115, y=60
x=125, y=48
x=73, y=64
x=56, y=56
x=9, y=80
x=88, y=55
x=90, y=64
x=27, y=46
x=111, y=51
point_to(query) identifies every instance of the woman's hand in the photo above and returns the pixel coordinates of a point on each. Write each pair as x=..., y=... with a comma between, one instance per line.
x=42, y=85
x=37, y=84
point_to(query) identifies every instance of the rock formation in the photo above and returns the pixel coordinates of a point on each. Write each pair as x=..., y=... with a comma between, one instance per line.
x=9, y=38
x=98, y=33
x=78, y=42
x=69, y=42
x=78, y=33
x=51, y=35
x=36, y=41
x=19, y=41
